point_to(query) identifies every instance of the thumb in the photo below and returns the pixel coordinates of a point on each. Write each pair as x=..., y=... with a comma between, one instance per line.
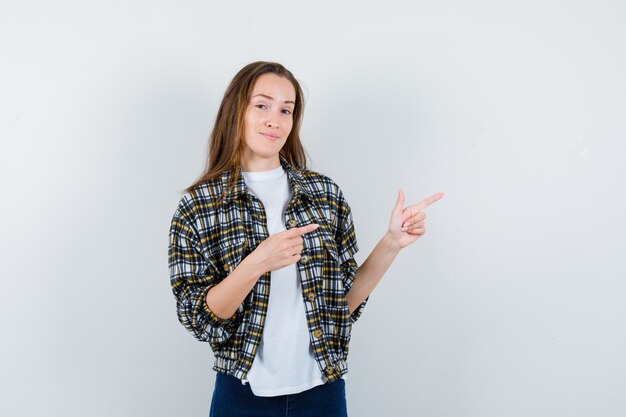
x=400, y=201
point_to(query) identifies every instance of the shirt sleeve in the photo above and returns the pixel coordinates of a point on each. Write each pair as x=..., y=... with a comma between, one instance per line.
x=348, y=247
x=191, y=277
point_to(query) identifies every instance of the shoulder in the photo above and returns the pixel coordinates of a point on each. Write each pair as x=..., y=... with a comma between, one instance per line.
x=327, y=194
x=200, y=202
x=321, y=185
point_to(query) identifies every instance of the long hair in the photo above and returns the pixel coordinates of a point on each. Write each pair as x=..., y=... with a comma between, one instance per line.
x=226, y=142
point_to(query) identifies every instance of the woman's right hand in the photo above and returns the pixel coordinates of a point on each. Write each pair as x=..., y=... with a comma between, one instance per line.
x=279, y=250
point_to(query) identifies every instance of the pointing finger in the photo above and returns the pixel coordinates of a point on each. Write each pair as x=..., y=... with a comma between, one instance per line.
x=427, y=202
x=299, y=231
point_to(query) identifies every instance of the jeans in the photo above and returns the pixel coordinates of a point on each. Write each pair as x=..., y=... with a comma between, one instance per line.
x=233, y=399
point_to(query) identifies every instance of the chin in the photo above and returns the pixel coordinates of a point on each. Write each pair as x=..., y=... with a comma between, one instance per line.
x=267, y=151
x=266, y=154
x=270, y=150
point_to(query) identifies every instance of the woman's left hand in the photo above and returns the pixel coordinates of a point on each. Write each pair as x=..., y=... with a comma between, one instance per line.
x=407, y=224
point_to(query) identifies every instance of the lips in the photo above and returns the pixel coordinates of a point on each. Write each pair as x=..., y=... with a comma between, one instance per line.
x=269, y=136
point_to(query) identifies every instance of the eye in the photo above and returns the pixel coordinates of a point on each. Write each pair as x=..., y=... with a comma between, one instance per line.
x=287, y=111
x=257, y=105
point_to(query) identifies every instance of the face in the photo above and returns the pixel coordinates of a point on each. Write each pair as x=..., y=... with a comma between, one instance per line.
x=268, y=121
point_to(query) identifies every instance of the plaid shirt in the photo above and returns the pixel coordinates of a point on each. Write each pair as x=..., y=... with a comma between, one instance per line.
x=213, y=229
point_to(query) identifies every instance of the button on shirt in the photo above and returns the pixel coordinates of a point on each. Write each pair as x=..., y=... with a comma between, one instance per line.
x=220, y=222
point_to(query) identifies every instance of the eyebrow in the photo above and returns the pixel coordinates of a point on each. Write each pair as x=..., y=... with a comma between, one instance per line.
x=272, y=98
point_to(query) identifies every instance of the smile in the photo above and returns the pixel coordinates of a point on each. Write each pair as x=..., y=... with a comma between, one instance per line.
x=270, y=137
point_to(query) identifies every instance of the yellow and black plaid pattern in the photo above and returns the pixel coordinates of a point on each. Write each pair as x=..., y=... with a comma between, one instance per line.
x=213, y=229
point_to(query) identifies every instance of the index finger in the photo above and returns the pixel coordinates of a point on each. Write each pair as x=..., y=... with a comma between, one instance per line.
x=299, y=231
x=428, y=201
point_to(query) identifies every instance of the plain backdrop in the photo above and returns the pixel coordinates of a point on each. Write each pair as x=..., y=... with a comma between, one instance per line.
x=512, y=304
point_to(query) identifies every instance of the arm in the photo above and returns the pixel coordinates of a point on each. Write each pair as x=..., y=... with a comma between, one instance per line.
x=224, y=298
x=369, y=274
x=192, y=275
x=347, y=248
x=275, y=252
x=405, y=227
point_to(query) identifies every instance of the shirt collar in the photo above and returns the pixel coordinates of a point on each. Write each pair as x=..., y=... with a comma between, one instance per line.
x=296, y=181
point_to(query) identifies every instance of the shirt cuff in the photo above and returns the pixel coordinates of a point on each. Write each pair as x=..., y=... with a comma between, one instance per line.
x=214, y=320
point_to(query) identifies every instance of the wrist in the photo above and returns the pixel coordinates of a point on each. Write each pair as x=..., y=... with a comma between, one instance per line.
x=250, y=269
x=390, y=243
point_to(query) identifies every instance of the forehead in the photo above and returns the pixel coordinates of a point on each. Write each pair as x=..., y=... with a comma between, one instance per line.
x=275, y=86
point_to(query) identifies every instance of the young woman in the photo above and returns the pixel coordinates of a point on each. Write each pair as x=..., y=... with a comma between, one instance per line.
x=258, y=219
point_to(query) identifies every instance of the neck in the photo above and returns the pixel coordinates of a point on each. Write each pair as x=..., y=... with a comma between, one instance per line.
x=258, y=163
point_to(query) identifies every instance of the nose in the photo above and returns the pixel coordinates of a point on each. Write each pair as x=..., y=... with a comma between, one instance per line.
x=272, y=120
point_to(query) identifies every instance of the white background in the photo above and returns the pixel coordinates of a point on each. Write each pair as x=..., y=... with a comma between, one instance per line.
x=512, y=304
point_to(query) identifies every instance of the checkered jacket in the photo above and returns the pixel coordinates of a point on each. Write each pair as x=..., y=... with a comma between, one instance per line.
x=213, y=229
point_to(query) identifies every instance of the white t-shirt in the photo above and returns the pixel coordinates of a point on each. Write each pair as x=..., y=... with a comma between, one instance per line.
x=284, y=362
